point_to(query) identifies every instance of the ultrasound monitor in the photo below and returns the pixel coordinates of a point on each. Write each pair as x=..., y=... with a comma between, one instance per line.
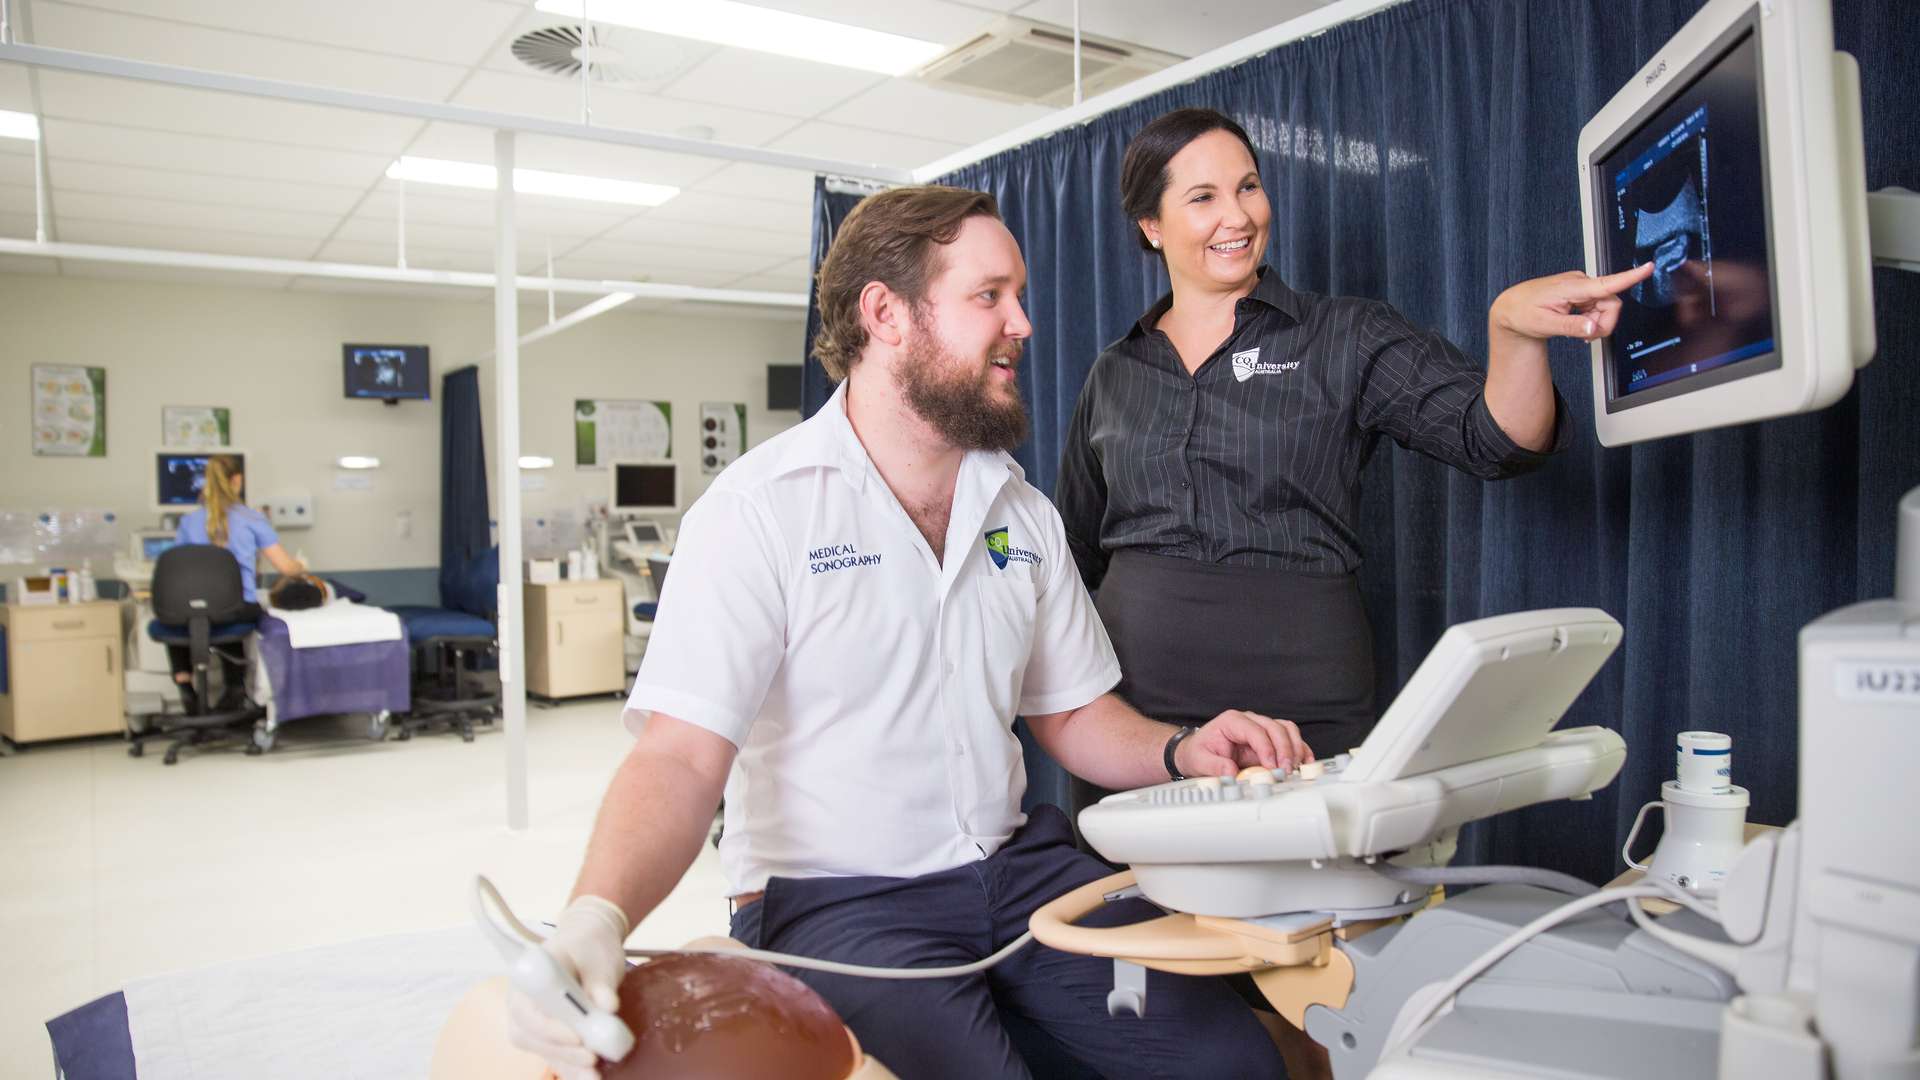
x=1733, y=163
x=178, y=476
x=387, y=373
x=644, y=487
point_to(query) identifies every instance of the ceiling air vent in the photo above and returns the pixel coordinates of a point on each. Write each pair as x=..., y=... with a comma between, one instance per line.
x=612, y=56
x=1032, y=63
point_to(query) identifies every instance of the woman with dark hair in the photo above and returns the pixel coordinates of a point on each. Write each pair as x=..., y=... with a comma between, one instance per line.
x=1210, y=478
x=225, y=520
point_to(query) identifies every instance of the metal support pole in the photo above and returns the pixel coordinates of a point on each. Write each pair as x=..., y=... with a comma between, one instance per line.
x=6, y=24
x=1076, y=52
x=549, y=278
x=506, y=387
x=586, y=65
x=40, y=183
x=401, y=220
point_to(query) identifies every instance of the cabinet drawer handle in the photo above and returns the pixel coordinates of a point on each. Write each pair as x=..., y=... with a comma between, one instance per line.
x=68, y=624
x=109, y=649
x=562, y=627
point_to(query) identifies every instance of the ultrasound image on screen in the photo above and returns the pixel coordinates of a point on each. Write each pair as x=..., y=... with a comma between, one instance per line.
x=386, y=372
x=181, y=478
x=1686, y=191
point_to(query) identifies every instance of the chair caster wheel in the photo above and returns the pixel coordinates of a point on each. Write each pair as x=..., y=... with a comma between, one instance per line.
x=254, y=751
x=172, y=758
x=466, y=736
x=405, y=735
x=136, y=749
x=262, y=741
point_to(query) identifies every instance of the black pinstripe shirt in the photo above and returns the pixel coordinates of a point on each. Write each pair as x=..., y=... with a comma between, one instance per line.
x=1255, y=458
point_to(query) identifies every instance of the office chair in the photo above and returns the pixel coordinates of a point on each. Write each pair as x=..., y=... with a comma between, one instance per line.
x=198, y=603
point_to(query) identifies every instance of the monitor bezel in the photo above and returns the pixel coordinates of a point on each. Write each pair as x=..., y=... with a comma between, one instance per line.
x=346, y=367
x=187, y=451
x=614, y=505
x=1816, y=240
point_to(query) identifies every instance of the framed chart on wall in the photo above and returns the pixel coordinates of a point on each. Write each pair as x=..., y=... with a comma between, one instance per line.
x=195, y=427
x=69, y=410
x=610, y=430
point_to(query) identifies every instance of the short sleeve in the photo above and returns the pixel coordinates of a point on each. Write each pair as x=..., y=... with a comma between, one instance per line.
x=1071, y=661
x=264, y=535
x=719, y=635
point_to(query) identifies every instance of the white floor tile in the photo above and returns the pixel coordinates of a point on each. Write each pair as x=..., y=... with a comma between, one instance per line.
x=113, y=868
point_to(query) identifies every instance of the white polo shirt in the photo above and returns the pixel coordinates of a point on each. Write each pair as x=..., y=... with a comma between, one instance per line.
x=870, y=689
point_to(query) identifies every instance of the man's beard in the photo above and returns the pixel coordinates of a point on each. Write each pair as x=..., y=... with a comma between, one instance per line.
x=959, y=405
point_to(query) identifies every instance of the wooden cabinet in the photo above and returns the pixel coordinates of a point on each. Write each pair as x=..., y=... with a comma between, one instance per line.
x=575, y=638
x=64, y=675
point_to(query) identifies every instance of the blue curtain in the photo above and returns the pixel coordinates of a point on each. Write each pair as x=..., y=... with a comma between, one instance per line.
x=1425, y=156
x=464, y=539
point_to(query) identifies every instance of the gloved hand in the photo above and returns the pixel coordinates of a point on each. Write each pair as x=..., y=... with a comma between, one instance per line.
x=589, y=942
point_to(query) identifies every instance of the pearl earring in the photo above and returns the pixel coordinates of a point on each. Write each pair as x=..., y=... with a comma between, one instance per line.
x=1155, y=243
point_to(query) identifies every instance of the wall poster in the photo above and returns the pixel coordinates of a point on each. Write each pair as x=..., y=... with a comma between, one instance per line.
x=69, y=410
x=609, y=430
x=195, y=427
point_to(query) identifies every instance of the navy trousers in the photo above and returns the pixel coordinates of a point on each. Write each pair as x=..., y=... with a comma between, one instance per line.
x=935, y=1029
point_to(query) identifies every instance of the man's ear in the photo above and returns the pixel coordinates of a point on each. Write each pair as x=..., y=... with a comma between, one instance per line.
x=883, y=314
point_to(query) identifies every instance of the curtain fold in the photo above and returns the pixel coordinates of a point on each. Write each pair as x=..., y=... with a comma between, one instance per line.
x=464, y=514
x=1425, y=156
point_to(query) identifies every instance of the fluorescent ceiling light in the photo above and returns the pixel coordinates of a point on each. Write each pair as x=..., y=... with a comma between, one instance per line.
x=19, y=125
x=532, y=461
x=531, y=182
x=356, y=461
x=725, y=22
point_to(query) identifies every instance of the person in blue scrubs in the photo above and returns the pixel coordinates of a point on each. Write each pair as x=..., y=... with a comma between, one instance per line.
x=224, y=519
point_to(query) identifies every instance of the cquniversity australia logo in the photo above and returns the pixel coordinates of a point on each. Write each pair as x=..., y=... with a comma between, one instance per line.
x=1001, y=550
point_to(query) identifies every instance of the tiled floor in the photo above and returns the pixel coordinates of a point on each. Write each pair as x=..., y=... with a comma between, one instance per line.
x=113, y=868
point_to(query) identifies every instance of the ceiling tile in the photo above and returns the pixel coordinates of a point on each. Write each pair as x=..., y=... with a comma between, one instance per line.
x=381, y=253
x=755, y=80
x=858, y=146
x=621, y=270
x=87, y=176
x=734, y=210
x=458, y=142
x=391, y=289
x=653, y=259
x=15, y=168
x=17, y=199
x=16, y=94
x=648, y=230
x=914, y=108
x=761, y=182
x=618, y=108
x=787, y=283
x=137, y=211
x=451, y=31
x=67, y=26
x=210, y=154
x=434, y=204
x=171, y=238
x=171, y=108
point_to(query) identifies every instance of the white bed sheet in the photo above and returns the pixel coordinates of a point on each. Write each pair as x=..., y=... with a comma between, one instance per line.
x=338, y=622
x=366, y=1010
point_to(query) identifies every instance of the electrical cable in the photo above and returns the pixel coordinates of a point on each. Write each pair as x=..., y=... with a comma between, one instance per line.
x=783, y=959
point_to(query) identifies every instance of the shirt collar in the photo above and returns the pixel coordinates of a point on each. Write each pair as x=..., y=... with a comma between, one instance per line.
x=1270, y=291
x=826, y=440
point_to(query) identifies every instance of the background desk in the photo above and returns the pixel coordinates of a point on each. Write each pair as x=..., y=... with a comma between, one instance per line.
x=61, y=673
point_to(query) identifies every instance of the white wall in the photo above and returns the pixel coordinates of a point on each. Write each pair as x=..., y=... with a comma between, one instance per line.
x=272, y=356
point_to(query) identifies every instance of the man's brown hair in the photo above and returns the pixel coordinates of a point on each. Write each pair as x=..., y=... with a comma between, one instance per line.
x=893, y=237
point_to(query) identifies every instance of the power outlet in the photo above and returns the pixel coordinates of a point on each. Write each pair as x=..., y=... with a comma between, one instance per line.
x=289, y=511
x=403, y=524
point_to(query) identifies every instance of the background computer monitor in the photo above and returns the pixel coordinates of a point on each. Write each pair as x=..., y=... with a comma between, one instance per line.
x=387, y=372
x=644, y=487
x=783, y=387
x=178, y=476
x=146, y=545
x=1733, y=162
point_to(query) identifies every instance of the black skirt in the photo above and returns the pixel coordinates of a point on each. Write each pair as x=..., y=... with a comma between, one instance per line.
x=1195, y=639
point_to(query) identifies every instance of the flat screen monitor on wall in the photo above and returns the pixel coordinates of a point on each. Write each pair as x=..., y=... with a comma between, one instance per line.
x=644, y=487
x=387, y=373
x=1733, y=163
x=178, y=476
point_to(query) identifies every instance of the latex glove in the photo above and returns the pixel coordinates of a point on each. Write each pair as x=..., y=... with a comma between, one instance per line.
x=589, y=941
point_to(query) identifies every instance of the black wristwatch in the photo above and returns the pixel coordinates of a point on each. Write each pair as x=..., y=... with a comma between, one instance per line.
x=1173, y=743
